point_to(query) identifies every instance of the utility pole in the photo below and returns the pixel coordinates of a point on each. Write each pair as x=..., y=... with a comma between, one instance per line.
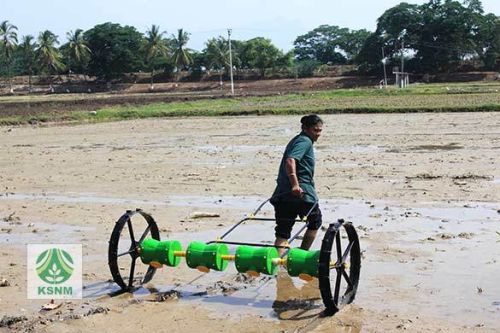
x=385, y=73
x=402, y=53
x=403, y=76
x=230, y=61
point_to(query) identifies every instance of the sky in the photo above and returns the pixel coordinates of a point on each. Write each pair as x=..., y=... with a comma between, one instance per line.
x=279, y=20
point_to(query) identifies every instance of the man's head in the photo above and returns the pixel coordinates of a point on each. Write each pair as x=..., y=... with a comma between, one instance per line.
x=312, y=125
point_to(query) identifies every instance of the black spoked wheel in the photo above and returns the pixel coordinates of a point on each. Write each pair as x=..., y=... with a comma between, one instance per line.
x=123, y=251
x=339, y=266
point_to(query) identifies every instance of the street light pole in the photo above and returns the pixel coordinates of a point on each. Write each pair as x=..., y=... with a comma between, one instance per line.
x=385, y=73
x=230, y=61
x=402, y=54
x=403, y=80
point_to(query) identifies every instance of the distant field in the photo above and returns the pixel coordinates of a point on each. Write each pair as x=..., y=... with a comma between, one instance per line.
x=457, y=97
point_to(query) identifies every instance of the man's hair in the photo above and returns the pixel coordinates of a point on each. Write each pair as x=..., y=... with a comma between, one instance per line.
x=310, y=121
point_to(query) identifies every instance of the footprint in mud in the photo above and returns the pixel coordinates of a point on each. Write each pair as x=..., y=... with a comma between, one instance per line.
x=220, y=287
x=170, y=295
x=223, y=287
x=446, y=236
x=239, y=282
x=249, y=280
x=66, y=311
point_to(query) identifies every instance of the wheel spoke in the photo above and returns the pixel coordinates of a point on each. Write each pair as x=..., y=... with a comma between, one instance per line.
x=131, y=231
x=347, y=251
x=132, y=271
x=127, y=252
x=339, y=247
x=347, y=278
x=144, y=234
x=337, y=289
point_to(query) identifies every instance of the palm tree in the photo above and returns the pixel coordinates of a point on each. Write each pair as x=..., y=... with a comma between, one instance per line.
x=217, y=53
x=28, y=52
x=8, y=39
x=155, y=47
x=181, y=55
x=79, y=52
x=48, y=54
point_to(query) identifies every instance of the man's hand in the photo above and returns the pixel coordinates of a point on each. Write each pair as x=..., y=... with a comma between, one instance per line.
x=297, y=191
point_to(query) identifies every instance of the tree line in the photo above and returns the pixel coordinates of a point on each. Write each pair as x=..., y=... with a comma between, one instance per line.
x=437, y=36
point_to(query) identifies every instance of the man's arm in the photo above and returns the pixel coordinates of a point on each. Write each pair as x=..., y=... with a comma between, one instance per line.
x=291, y=171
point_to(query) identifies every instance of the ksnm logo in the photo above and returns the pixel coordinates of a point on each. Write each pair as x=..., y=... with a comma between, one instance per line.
x=54, y=266
x=54, y=271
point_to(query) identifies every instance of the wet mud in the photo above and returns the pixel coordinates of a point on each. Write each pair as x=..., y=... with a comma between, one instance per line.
x=427, y=219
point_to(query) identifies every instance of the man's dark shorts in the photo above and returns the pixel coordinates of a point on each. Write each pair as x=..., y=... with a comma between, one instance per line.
x=286, y=213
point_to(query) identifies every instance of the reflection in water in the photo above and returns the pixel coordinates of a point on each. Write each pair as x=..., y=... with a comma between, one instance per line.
x=296, y=303
x=99, y=289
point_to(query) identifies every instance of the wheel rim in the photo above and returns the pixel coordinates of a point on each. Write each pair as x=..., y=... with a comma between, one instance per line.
x=338, y=283
x=123, y=252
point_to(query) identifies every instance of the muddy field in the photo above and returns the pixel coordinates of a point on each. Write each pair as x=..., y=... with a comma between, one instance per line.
x=423, y=190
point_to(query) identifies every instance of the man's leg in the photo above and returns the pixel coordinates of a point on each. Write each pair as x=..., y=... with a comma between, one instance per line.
x=281, y=242
x=285, y=219
x=314, y=221
x=308, y=239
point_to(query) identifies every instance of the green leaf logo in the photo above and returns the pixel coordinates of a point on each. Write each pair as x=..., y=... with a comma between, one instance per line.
x=54, y=266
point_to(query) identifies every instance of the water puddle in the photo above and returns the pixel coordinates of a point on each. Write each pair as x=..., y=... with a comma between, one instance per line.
x=174, y=200
x=82, y=198
x=361, y=149
x=213, y=149
x=94, y=290
x=271, y=298
x=216, y=149
x=450, y=146
x=230, y=293
x=20, y=234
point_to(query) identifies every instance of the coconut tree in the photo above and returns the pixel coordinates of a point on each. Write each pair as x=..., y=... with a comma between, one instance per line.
x=217, y=54
x=155, y=47
x=28, y=47
x=47, y=53
x=181, y=56
x=79, y=52
x=8, y=39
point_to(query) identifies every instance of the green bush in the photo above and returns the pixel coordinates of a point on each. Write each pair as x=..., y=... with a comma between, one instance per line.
x=306, y=68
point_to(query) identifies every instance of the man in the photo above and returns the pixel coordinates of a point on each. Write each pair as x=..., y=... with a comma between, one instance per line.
x=295, y=193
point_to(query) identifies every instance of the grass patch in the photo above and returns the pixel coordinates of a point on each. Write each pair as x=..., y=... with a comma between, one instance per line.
x=417, y=98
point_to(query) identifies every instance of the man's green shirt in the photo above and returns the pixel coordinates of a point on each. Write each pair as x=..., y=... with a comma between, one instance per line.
x=301, y=149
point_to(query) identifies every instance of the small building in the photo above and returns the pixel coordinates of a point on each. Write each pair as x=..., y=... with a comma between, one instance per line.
x=402, y=78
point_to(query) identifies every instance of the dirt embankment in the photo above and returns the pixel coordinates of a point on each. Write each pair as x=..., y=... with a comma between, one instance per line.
x=85, y=97
x=67, y=97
